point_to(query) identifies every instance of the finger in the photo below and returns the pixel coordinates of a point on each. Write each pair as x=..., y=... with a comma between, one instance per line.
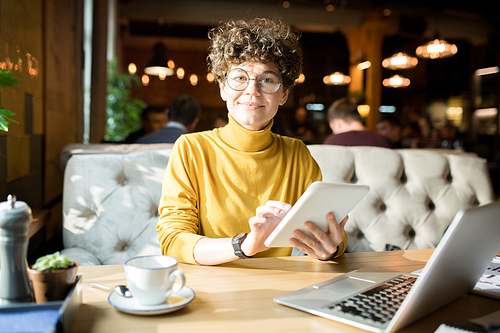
x=265, y=211
x=279, y=206
x=313, y=243
x=325, y=242
x=302, y=247
x=344, y=221
x=332, y=221
x=311, y=252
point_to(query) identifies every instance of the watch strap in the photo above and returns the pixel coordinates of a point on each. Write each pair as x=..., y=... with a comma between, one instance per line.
x=236, y=242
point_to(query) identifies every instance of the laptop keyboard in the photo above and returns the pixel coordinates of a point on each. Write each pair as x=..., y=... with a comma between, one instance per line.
x=378, y=304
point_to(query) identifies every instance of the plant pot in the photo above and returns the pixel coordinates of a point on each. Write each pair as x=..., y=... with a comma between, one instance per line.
x=52, y=286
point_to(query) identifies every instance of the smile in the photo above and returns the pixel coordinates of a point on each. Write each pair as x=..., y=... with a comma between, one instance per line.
x=250, y=105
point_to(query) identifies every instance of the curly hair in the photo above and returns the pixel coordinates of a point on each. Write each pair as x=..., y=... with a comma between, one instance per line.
x=260, y=40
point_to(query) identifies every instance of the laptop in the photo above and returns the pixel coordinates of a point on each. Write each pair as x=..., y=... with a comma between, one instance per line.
x=382, y=300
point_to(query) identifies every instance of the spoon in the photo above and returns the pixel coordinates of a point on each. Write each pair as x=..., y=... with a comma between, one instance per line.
x=120, y=289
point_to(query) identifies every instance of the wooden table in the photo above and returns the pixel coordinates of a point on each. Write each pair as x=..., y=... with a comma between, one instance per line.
x=238, y=297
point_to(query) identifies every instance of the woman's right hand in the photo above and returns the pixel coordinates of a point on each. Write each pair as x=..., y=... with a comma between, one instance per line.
x=266, y=219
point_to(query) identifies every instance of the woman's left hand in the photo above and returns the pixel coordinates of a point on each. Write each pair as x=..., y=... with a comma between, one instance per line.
x=321, y=245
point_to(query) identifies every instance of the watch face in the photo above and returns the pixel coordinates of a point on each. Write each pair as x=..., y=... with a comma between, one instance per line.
x=240, y=236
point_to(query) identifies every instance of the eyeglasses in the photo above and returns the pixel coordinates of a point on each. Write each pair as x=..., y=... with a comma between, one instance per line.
x=238, y=79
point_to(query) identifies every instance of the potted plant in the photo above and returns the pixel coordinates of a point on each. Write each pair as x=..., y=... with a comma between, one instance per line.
x=123, y=111
x=52, y=276
x=6, y=80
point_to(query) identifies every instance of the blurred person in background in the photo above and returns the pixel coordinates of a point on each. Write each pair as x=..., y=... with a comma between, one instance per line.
x=300, y=127
x=183, y=115
x=153, y=118
x=390, y=127
x=348, y=129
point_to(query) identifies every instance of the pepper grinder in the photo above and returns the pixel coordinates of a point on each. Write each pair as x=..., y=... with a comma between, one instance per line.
x=15, y=218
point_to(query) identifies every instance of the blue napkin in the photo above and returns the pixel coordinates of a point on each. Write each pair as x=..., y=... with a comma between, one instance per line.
x=29, y=321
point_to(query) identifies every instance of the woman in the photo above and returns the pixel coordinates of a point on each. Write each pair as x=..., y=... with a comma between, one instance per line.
x=225, y=190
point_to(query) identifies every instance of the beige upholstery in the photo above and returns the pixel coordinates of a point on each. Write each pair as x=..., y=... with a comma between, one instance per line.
x=111, y=195
x=414, y=194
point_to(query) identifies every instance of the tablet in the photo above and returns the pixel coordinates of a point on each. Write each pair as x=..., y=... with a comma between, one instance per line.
x=316, y=202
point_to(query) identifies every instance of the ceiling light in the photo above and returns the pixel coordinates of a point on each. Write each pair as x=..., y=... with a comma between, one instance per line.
x=400, y=60
x=438, y=48
x=300, y=79
x=180, y=73
x=387, y=109
x=396, y=81
x=364, y=65
x=159, y=65
x=193, y=79
x=486, y=71
x=363, y=110
x=486, y=113
x=337, y=79
x=210, y=77
x=132, y=68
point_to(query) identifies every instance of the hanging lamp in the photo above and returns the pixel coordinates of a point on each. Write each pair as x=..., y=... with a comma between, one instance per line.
x=400, y=60
x=337, y=79
x=158, y=66
x=396, y=81
x=437, y=48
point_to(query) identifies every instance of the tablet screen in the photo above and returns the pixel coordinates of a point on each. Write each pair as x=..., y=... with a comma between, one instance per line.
x=316, y=202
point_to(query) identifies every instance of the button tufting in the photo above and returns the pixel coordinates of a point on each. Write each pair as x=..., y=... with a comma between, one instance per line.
x=431, y=204
x=354, y=178
x=410, y=232
x=357, y=234
x=382, y=207
x=404, y=179
x=121, y=246
x=360, y=235
x=153, y=211
x=121, y=179
x=88, y=213
x=449, y=177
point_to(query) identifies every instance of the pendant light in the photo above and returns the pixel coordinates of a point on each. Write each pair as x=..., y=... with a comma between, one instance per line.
x=400, y=60
x=337, y=79
x=158, y=66
x=437, y=48
x=396, y=81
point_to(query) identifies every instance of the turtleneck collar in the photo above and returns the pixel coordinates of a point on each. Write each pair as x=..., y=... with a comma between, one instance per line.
x=243, y=139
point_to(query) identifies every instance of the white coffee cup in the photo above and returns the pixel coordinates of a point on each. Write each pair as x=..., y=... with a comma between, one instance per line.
x=151, y=279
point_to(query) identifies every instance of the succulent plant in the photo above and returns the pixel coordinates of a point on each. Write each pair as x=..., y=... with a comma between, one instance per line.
x=52, y=262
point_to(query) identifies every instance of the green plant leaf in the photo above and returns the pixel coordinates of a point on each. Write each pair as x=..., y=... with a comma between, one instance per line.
x=52, y=262
x=6, y=79
x=123, y=111
x=4, y=125
x=5, y=119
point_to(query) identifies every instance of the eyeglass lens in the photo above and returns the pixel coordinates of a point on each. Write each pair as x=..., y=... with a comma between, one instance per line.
x=238, y=79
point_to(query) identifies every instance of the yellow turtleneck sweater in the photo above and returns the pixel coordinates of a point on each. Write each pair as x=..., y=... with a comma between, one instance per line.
x=216, y=179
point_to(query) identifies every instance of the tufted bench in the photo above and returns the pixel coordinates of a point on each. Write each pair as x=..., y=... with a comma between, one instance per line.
x=111, y=195
x=110, y=201
x=414, y=193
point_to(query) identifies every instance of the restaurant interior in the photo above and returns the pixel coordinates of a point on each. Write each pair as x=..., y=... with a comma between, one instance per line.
x=60, y=52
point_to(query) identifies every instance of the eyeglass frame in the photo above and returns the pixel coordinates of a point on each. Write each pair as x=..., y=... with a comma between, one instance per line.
x=278, y=85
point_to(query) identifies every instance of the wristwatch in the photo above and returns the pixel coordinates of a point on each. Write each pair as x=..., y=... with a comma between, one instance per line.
x=237, y=240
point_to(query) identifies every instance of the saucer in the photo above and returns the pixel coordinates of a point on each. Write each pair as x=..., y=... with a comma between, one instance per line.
x=174, y=302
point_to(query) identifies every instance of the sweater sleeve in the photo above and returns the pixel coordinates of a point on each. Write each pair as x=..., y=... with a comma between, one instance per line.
x=178, y=224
